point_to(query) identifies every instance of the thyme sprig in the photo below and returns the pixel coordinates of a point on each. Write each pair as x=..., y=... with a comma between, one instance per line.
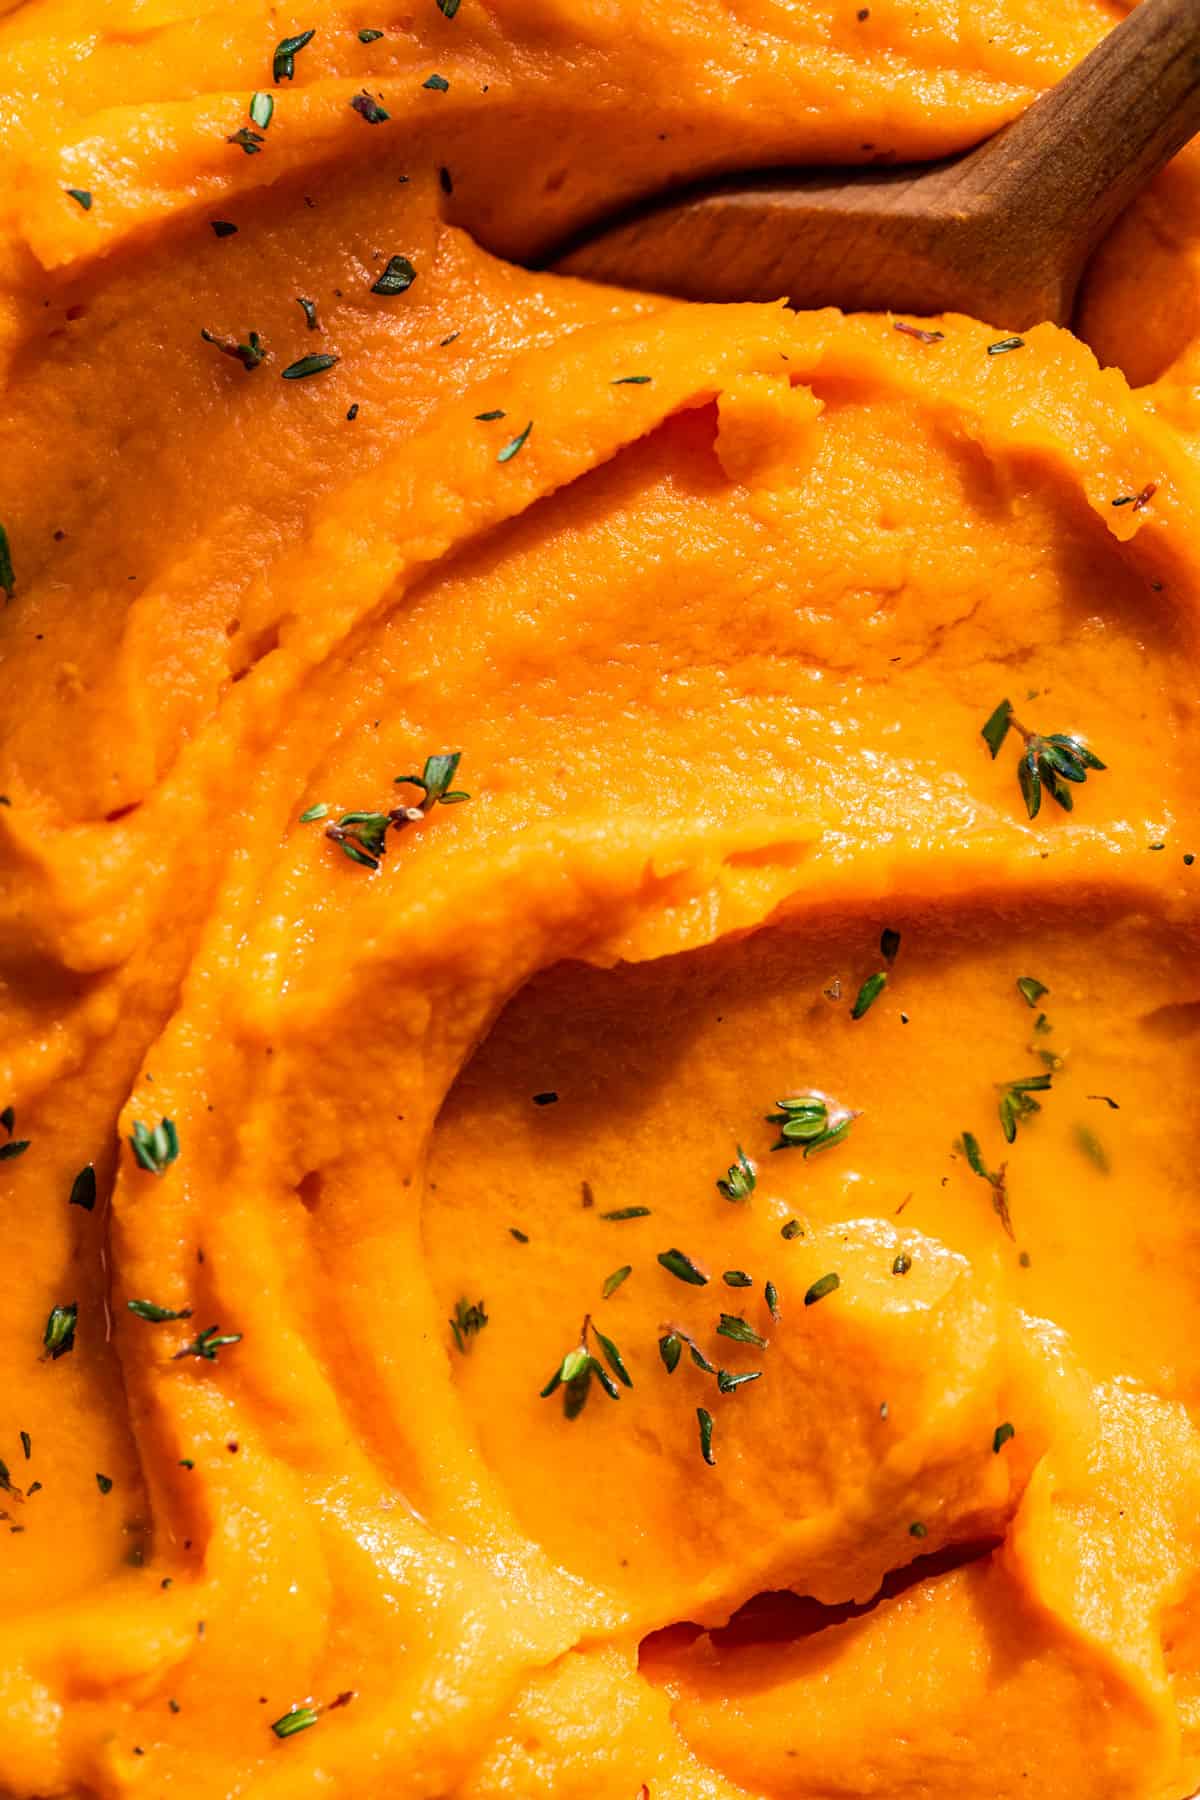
x=435, y=779
x=810, y=1122
x=1017, y=1102
x=249, y=354
x=581, y=1365
x=207, y=1343
x=155, y=1149
x=362, y=836
x=468, y=1321
x=1052, y=763
x=302, y=1717
x=670, y=1348
x=741, y=1180
x=996, y=1179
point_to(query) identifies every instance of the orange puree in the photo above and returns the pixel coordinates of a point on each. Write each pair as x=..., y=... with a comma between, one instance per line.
x=866, y=1471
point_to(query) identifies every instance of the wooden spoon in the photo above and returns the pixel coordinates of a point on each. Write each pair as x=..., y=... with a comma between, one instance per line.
x=1003, y=232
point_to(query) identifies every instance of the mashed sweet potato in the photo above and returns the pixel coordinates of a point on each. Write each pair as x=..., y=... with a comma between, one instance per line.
x=355, y=1095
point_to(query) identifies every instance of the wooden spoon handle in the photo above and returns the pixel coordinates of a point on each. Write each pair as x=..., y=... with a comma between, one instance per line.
x=1002, y=233
x=1074, y=160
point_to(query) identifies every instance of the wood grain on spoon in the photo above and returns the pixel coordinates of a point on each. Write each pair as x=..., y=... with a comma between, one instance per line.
x=1003, y=232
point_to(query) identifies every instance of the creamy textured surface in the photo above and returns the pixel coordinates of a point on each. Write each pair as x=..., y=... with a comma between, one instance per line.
x=715, y=638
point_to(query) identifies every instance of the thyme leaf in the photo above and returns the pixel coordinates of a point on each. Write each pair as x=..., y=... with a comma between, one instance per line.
x=825, y=1285
x=309, y=365
x=398, y=276
x=868, y=993
x=249, y=354
x=705, y=1421
x=996, y=1180
x=682, y=1267
x=369, y=109
x=155, y=1149
x=283, y=65
x=740, y=1181
x=1048, y=763
x=468, y=1321
x=207, y=1343
x=154, y=1314
x=733, y=1326
x=514, y=444
x=59, y=1334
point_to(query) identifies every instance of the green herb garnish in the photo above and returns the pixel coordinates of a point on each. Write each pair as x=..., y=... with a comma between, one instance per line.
x=369, y=35
x=319, y=811
x=26, y=1444
x=297, y=1718
x=670, y=1346
x=1031, y=989
x=487, y=417
x=727, y=1382
x=468, y=1321
x=104, y=1483
x=889, y=944
x=396, y=277
x=705, y=1421
x=807, y=1121
x=682, y=1267
x=579, y=1367
x=793, y=1229
x=435, y=779
x=283, y=66
x=81, y=198
x=59, y=1335
x=1006, y=344
x=156, y=1315
x=247, y=140
x=901, y=1263
x=613, y=1281
x=631, y=380
x=917, y=1530
x=514, y=444
x=771, y=1296
x=819, y=1289
x=1092, y=1148
x=155, y=1150
x=740, y=1181
x=309, y=309
x=14, y=1148
x=868, y=993
x=249, y=354
x=521, y=1236
x=996, y=1180
x=8, y=580
x=262, y=107
x=737, y=1328
x=1052, y=763
x=448, y=7
x=8, y=1118
x=438, y=83
x=1001, y=1436
x=626, y=1212
x=209, y=1341
x=222, y=228
x=308, y=365
x=737, y=1278
x=1017, y=1102
x=369, y=109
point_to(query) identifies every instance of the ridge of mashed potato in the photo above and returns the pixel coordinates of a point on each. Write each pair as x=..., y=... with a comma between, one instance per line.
x=894, y=1489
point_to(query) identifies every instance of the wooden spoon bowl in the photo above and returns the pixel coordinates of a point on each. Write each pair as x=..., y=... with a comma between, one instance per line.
x=1003, y=232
